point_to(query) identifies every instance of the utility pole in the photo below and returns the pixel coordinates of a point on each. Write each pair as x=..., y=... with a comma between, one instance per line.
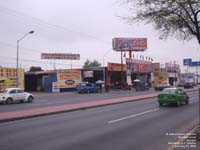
x=104, y=69
x=17, y=58
x=121, y=66
x=175, y=79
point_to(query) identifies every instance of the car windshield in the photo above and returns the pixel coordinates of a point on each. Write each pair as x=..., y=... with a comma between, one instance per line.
x=169, y=91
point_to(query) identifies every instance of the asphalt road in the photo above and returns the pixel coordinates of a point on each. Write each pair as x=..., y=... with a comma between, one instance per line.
x=140, y=125
x=55, y=99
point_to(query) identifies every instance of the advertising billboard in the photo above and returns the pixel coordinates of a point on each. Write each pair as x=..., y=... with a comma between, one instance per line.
x=160, y=77
x=129, y=44
x=190, y=63
x=68, y=78
x=155, y=67
x=88, y=74
x=55, y=87
x=187, y=62
x=8, y=78
x=60, y=56
x=195, y=64
x=116, y=67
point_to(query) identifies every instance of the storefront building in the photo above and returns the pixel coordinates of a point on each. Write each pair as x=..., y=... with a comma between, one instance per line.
x=53, y=80
x=173, y=71
x=8, y=78
x=138, y=69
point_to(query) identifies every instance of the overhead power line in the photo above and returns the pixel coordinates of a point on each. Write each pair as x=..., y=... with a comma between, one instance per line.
x=40, y=21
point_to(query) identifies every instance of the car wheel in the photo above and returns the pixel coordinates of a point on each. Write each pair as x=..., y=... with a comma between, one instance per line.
x=21, y=101
x=30, y=99
x=178, y=103
x=9, y=100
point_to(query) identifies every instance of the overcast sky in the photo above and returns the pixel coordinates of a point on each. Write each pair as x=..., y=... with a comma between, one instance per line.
x=85, y=27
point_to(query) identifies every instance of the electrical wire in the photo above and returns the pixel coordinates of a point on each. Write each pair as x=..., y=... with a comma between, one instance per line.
x=42, y=22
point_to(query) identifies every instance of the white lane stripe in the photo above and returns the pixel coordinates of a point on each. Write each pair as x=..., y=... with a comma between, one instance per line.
x=132, y=116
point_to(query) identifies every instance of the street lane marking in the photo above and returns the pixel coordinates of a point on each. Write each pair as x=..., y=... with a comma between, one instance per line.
x=132, y=116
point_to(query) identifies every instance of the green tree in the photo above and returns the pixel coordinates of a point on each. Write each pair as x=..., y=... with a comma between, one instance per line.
x=91, y=64
x=179, y=18
x=35, y=68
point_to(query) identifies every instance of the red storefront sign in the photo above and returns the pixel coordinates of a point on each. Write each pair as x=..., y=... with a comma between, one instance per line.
x=138, y=65
x=116, y=67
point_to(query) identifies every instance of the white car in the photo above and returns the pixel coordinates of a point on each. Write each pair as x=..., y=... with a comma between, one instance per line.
x=15, y=94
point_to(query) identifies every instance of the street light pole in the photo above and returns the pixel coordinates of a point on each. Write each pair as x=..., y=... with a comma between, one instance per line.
x=104, y=70
x=17, y=61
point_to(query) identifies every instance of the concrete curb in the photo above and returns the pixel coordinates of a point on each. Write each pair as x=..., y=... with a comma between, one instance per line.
x=38, y=112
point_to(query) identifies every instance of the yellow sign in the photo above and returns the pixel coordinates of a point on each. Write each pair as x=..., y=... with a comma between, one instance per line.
x=160, y=77
x=8, y=78
x=68, y=78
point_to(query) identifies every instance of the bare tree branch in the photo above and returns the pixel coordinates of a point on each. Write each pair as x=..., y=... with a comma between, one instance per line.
x=179, y=18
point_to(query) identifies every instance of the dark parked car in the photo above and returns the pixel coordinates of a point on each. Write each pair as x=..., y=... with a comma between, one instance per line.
x=162, y=86
x=188, y=85
x=88, y=88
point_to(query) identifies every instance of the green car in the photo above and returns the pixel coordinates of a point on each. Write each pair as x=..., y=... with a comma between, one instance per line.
x=173, y=96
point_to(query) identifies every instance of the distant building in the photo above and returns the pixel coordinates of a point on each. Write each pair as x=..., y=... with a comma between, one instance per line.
x=187, y=77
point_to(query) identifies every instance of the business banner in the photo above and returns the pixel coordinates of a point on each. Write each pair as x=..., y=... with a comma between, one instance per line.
x=88, y=74
x=116, y=67
x=60, y=56
x=160, y=77
x=8, y=77
x=138, y=65
x=129, y=44
x=68, y=78
x=55, y=87
x=187, y=62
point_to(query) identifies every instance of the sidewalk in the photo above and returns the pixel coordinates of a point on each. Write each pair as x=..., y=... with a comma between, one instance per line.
x=36, y=112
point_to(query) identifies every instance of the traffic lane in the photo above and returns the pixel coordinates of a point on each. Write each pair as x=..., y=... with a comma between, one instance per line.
x=69, y=120
x=76, y=97
x=90, y=129
x=43, y=100
x=69, y=98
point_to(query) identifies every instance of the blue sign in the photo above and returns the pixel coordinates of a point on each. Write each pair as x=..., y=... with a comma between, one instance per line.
x=195, y=64
x=187, y=62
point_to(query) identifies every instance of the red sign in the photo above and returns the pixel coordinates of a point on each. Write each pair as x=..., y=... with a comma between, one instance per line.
x=60, y=56
x=129, y=44
x=138, y=65
x=116, y=67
